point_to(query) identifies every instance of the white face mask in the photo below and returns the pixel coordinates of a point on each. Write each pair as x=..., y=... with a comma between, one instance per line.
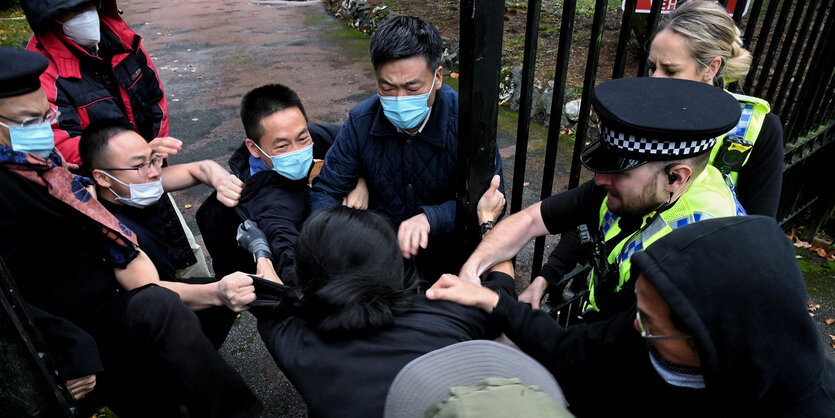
x=141, y=194
x=676, y=374
x=84, y=29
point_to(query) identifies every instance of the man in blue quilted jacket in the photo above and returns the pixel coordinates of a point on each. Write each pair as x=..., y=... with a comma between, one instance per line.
x=404, y=142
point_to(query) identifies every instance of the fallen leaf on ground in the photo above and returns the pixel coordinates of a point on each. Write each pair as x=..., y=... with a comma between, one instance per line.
x=453, y=75
x=830, y=321
x=526, y=184
x=832, y=337
x=802, y=244
x=187, y=206
x=194, y=119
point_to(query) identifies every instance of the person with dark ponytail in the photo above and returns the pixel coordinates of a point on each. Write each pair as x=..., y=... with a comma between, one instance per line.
x=700, y=42
x=354, y=313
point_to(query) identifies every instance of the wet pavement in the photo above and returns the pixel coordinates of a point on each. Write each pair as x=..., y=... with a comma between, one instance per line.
x=209, y=54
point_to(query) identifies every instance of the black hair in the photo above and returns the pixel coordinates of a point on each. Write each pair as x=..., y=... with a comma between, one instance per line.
x=94, y=140
x=350, y=271
x=264, y=101
x=403, y=37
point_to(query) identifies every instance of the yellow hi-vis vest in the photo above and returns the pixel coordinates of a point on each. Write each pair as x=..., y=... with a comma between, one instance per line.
x=748, y=128
x=708, y=197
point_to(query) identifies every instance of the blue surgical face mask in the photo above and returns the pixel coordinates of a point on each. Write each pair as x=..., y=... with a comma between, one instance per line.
x=407, y=112
x=35, y=138
x=293, y=165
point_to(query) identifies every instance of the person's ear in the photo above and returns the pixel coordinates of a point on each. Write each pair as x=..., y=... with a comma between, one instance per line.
x=439, y=77
x=677, y=176
x=712, y=69
x=253, y=150
x=101, y=179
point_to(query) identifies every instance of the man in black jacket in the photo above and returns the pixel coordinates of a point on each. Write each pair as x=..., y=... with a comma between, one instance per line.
x=118, y=331
x=275, y=163
x=131, y=183
x=728, y=337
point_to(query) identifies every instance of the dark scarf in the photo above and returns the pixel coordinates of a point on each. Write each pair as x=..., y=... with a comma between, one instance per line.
x=50, y=172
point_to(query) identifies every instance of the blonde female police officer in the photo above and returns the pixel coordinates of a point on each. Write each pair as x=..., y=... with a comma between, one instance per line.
x=701, y=43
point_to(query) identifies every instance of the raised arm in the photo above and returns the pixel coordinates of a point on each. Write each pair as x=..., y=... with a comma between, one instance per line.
x=234, y=291
x=504, y=242
x=182, y=176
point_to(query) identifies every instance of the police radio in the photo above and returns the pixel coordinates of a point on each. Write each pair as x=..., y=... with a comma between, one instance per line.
x=732, y=154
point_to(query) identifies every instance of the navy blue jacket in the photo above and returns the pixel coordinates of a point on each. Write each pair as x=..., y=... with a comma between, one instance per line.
x=406, y=175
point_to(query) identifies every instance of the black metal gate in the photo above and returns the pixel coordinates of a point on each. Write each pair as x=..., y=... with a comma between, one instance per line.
x=792, y=44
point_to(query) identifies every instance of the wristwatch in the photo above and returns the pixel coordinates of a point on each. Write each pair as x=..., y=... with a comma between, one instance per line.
x=486, y=227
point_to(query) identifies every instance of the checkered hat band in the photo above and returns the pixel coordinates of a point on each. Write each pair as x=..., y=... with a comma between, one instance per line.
x=633, y=144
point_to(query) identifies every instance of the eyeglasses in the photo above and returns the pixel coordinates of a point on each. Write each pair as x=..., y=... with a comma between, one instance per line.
x=646, y=334
x=141, y=169
x=50, y=116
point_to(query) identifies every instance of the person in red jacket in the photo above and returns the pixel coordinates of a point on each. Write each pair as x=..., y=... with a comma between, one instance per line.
x=98, y=69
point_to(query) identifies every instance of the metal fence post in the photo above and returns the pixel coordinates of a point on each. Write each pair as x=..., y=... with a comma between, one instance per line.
x=560, y=75
x=482, y=23
x=523, y=128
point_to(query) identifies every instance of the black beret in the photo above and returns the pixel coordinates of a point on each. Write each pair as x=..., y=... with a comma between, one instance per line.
x=20, y=71
x=656, y=119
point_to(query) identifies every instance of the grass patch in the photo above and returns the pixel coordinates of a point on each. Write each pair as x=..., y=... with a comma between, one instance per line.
x=355, y=43
x=548, y=30
x=14, y=29
x=819, y=275
x=452, y=82
x=586, y=7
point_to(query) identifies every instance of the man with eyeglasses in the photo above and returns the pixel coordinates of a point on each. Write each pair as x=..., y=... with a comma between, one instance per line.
x=118, y=336
x=729, y=337
x=131, y=183
x=98, y=69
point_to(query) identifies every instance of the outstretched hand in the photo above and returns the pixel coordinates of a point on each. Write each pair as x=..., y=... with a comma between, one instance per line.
x=450, y=287
x=413, y=234
x=534, y=293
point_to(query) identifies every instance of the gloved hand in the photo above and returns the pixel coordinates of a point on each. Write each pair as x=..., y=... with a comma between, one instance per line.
x=252, y=239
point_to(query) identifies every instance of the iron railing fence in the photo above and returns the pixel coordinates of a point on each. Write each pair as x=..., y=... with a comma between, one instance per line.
x=793, y=60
